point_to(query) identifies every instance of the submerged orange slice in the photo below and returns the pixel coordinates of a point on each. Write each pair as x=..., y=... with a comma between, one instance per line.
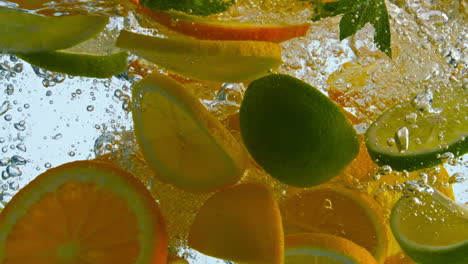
x=83, y=212
x=202, y=29
x=315, y=248
x=240, y=224
x=338, y=211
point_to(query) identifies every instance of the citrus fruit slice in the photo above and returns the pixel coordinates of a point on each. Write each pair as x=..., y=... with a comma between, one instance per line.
x=24, y=32
x=221, y=61
x=183, y=143
x=296, y=133
x=78, y=64
x=420, y=137
x=315, y=248
x=83, y=212
x=242, y=224
x=339, y=211
x=431, y=228
x=202, y=29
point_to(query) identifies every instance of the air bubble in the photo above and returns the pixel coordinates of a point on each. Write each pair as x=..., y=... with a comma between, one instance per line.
x=90, y=108
x=457, y=178
x=48, y=165
x=21, y=147
x=18, y=160
x=402, y=139
x=20, y=126
x=13, y=171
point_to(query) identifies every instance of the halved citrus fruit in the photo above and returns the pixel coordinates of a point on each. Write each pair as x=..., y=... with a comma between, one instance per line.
x=83, y=212
x=241, y=223
x=420, y=136
x=24, y=32
x=339, y=211
x=297, y=134
x=221, y=61
x=431, y=228
x=202, y=29
x=183, y=143
x=316, y=248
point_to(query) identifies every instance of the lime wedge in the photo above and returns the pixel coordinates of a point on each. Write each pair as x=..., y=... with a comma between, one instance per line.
x=78, y=64
x=181, y=141
x=24, y=32
x=431, y=229
x=222, y=61
x=409, y=139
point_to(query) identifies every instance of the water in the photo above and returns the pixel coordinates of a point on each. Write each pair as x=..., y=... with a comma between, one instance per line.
x=49, y=119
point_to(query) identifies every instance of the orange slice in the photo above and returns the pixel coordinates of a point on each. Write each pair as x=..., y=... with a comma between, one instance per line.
x=241, y=224
x=181, y=141
x=338, y=211
x=315, y=248
x=202, y=29
x=83, y=212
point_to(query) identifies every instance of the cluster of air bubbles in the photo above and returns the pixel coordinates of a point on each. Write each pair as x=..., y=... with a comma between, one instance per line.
x=9, y=70
x=110, y=142
x=123, y=96
x=413, y=188
x=423, y=102
x=457, y=178
x=383, y=171
x=10, y=176
x=49, y=79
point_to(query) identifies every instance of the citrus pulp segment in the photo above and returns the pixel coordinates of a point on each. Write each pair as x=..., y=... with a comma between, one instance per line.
x=83, y=212
x=339, y=211
x=24, y=32
x=220, y=61
x=202, y=29
x=296, y=133
x=78, y=64
x=241, y=223
x=183, y=143
x=431, y=228
x=426, y=135
x=315, y=248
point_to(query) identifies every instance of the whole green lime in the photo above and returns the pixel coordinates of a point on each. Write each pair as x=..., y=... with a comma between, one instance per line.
x=297, y=134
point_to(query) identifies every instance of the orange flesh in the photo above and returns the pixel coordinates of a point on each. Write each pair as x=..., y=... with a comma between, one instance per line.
x=328, y=211
x=79, y=223
x=226, y=31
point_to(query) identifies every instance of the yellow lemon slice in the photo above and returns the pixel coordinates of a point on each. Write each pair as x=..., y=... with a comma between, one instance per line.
x=221, y=61
x=181, y=140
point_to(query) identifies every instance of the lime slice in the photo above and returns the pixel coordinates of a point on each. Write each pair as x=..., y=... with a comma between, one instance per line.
x=181, y=141
x=315, y=248
x=78, y=64
x=418, y=138
x=431, y=229
x=23, y=32
x=221, y=61
x=296, y=133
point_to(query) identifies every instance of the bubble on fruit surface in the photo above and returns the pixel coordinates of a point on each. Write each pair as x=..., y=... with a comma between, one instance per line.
x=402, y=139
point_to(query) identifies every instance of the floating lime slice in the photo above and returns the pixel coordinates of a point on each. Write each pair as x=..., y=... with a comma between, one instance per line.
x=24, y=32
x=78, y=64
x=407, y=138
x=431, y=229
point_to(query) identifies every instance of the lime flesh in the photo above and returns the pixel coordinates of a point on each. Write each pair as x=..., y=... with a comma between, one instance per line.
x=428, y=134
x=431, y=229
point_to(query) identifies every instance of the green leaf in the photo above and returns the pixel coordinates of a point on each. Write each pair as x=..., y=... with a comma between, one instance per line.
x=194, y=7
x=356, y=14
